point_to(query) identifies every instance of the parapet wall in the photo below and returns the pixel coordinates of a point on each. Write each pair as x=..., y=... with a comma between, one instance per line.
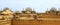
x=36, y=22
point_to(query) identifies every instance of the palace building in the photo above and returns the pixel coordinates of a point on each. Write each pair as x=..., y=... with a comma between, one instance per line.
x=29, y=17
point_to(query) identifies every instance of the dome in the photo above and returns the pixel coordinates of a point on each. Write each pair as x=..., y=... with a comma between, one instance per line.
x=17, y=11
x=7, y=11
x=28, y=9
x=6, y=8
x=53, y=9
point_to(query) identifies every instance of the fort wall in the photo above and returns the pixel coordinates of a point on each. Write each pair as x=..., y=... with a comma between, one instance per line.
x=36, y=22
x=30, y=17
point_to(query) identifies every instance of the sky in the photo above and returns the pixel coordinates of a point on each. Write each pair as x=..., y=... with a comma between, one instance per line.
x=38, y=5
